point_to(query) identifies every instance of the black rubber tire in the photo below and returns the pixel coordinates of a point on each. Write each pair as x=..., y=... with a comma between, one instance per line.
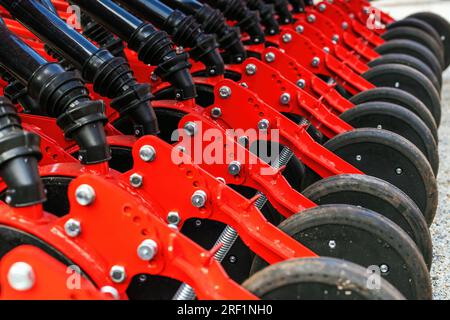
x=318, y=278
x=363, y=237
x=400, y=98
x=409, y=61
x=409, y=80
x=441, y=25
x=414, y=49
x=417, y=35
x=416, y=177
x=391, y=117
x=379, y=196
x=419, y=24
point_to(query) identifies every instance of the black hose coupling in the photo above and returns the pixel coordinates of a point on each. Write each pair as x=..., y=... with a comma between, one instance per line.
x=186, y=32
x=62, y=95
x=282, y=9
x=154, y=47
x=19, y=156
x=113, y=78
x=229, y=38
x=298, y=6
x=267, y=15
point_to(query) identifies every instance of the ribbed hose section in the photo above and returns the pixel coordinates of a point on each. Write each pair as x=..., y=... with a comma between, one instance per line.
x=267, y=15
x=282, y=9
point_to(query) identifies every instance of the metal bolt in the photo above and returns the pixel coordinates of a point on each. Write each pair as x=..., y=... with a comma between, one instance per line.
x=299, y=28
x=301, y=83
x=322, y=7
x=173, y=218
x=379, y=126
x=332, y=244
x=198, y=223
x=399, y=171
x=191, y=128
x=397, y=84
x=136, y=180
x=182, y=149
x=21, y=276
x=244, y=85
x=287, y=37
x=366, y=10
x=326, y=49
x=270, y=57
x=285, y=98
x=72, y=228
x=232, y=259
x=250, y=69
x=212, y=71
x=358, y=157
x=225, y=92
x=256, y=40
x=111, y=291
x=147, y=250
x=216, y=112
x=85, y=194
x=199, y=198
x=384, y=268
x=335, y=38
x=239, y=59
x=263, y=124
x=117, y=274
x=147, y=153
x=315, y=62
x=234, y=168
x=344, y=25
x=311, y=18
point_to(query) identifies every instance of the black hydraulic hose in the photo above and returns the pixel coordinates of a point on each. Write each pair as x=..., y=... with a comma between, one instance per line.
x=267, y=15
x=19, y=156
x=110, y=75
x=297, y=6
x=60, y=94
x=212, y=21
x=247, y=20
x=184, y=29
x=153, y=46
x=282, y=9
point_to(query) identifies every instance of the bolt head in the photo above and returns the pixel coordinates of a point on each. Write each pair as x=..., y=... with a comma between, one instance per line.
x=147, y=250
x=21, y=276
x=250, y=69
x=384, y=268
x=216, y=112
x=399, y=171
x=315, y=62
x=300, y=28
x=287, y=37
x=110, y=291
x=322, y=7
x=263, y=124
x=232, y=259
x=136, y=180
x=234, y=168
x=358, y=157
x=225, y=92
x=85, y=195
x=301, y=83
x=326, y=49
x=199, y=198
x=118, y=274
x=147, y=153
x=191, y=128
x=285, y=98
x=332, y=244
x=173, y=218
x=72, y=228
x=270, y=57
x=344, y=25
x=311, y=18
x=335, y=38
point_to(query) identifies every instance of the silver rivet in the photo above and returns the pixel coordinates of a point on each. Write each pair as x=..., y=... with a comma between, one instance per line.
x=117, y=274
x=358, y=157
x=397, y=84
x=315, y=62
x=344, y=25
x=311, y=18
x=173, y=218
x=191, y=128
x=212, y=71
x=250, y=69
x=21, y=276
x=301, y=83
x=287, y=37
x=216, y=112
x=110, y=291
x=263, y=124
x=379, y=126
x=335, y=38
x=198, y=223
x=234, y=168
x=332, y=244
x=147, y=153
x=147, y=250
x=299, y=28
x=225, y=92
x=384, y=268
x=136, y=180
x=270, y=57
x=232, y=259
x=285, y=98
x=72, y=228
x=398, y=171
x=85, y=194
x=322, y=7
x=239, y=59
x=326, y=49
x=199, y=198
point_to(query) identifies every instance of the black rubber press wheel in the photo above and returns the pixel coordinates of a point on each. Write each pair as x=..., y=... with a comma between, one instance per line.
x=319, y=278
x=391, y=117
x=377, y=195
x=390, y=157
x=419, y=24
x=363, y=237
